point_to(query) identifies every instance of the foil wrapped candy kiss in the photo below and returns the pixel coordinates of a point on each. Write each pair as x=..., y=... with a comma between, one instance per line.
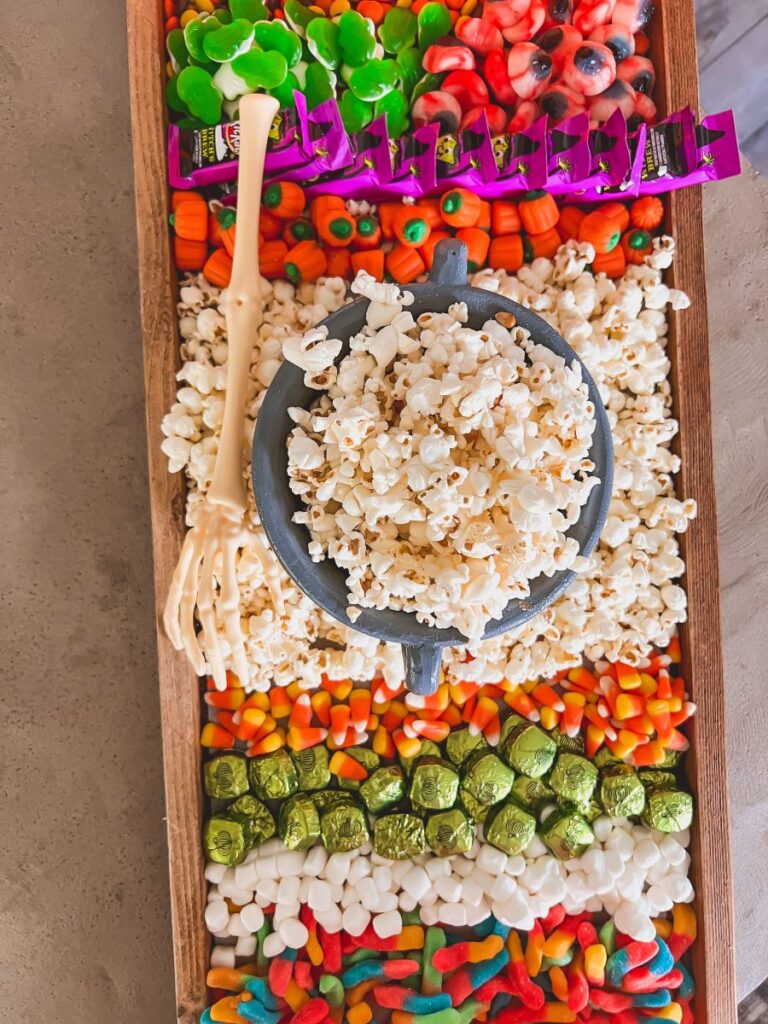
x=325, y=582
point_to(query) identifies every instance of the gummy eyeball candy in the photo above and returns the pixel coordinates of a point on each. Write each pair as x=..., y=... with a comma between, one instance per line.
x=497, y=77
x=504, y=13
x=527, y=112
x=529, y=69
x=589, y=69
x=617, y=38
x=559, y=101
x=480, y=35
x=527, y=27
x=645, y=108
x=618, y=96
x=633, y=13
x=558, y=12
x=467, y=87
x=438, y=107
x=494, y=115
x=591, y=13
x=557, y=42
x=448, y=55
x=639, y=73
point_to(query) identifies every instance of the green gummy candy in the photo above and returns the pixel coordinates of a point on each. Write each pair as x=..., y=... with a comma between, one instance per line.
x=374, y=80
x=298, y=16
x=274, y=35
x=284, y=93
x=434, y=21
x=323, y=42
x=395, y=106
x=250, y=10
x=196, y=89
x=409, y=69
x=177, y=48
x=356, y=39
x=260, y=70
x=355, y=113
x=172, y=98
x=398, y=30
x=224, y=16
x=229, y=42
x=319, y=85
x=428, y=83
x=195, y=34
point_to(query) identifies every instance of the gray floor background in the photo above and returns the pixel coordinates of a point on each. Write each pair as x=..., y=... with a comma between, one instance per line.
x=84, y=924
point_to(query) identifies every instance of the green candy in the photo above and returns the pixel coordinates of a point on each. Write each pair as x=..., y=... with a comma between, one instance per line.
x=344, y=827
x=449, y=832
x=434, y=21
x=399, y=836
x=248, y=10
x=604, y=757
x=255, y=70
x=327, y=798
x=487, y=778
x=478, y=812
x=533, y=794
x=172, y=97
x=509, y=724
x=259, y=817
x=567, y=834
x=331, y=989
x=409, y=69
x=355, y=113
x=274, y=35
x=225, y=17
x=529, y=750
x=398, y=30
x=622, y=793
x=323, y=42
x=196, y=90
x=368, y=758
x=654, y=778
x=569, y=744
x=226, y=776
x=428, y=83
x=177, y=49
x=312, y=767
x=374, y=80
x=298, y=16
x=432, y=979
x=428, y=749
x=229, y=42
x=320, y=85
x=460, y=743
x=273, y=777
x=284, y=93
x=383, y=789
x=573, y=778
x=356, y=39
x=434, y=785
x=510, y=828
x=298, y=823
x=668, y=810
x=195, y=33
x=227, y=838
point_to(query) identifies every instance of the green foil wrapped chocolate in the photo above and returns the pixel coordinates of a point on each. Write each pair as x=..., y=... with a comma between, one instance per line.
x=567, y=833
x=671, y=759
x=344, y=827
x=227, y=838
x=573, y=778
x=532, y=794
x=668, y=810
x=591, y=810
x=486, y=777
x=298, y=822
x=369, y=759
x=428, y=749
x=259, y=816
x=226, y=776
x=460, y=743
x=477, y=812
x=656, y=778
x=510, y=723
x=449, y=832
x=604, y=757
x=434, y=785
x=509, y=828
x=383, y=789
x=312, y=767
x=327, y=798
x=529, y=750
x=399, y=836
x=273, y=777
x=569, y=744
x=622, y=793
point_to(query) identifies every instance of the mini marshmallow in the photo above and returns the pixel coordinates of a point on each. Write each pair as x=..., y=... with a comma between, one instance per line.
x=386, y=925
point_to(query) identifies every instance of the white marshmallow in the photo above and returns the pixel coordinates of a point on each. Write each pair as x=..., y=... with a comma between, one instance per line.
x=386, y=925
x=223, y=956
x=355, y=919
x=252, y=917
x=216, y=916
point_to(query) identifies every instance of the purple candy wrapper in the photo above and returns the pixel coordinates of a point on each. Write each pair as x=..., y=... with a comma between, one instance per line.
x=371, y=167
x=466, y=159
x=568, y=154
x=678, y=152
x=414, y=164
x=327, y=143
x=521, y=162
x=627, y=188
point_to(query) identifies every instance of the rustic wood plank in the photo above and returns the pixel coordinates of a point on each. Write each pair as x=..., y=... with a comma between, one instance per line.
x=179, y=687
x=713, y=954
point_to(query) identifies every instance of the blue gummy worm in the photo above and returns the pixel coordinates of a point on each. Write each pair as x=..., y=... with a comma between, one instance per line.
x=260, y=990
x=616, y=967
x=653, y=1000
x=487, y=969
x=687, y=988
x=253, y=1010
x=366, y=970
x=419, y=1004
x=501, y=929
x=205, y=1016
x=663, y=962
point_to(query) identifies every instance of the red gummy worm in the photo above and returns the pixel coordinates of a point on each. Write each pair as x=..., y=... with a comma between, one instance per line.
x=450, y=957
x=302, y=974
x=487, y=992
x=331, y=943
x=611, y=1002
x=459, y=986
x=586, y=934
x=396, y=969
x=528, y=993
x=554, y=918
x=391, y=997
x=578, y=991
x=312, y=1012
x=280, y=974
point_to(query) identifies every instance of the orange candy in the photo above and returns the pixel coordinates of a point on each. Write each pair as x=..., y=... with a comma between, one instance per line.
x=347, y=767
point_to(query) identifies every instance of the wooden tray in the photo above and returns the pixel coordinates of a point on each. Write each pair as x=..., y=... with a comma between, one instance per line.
x=674, y=51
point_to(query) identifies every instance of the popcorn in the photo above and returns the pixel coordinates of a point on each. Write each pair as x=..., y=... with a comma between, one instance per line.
x=467, y=458
x=614, y=609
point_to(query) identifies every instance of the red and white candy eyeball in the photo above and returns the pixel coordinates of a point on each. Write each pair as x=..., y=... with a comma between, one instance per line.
x=526, y=113
x=633, y=13
x=591, y=13
x=645, y=108
x=617, y=38
x=589, y=69
x=527, y=27
x=559, y=102
x=497, y=79
x=496, y=118
x=504, y=13
x=558, y=12
x=618, y=96
x=529, y=69
x=557, y=42
x=438, y=107
x=638, y=72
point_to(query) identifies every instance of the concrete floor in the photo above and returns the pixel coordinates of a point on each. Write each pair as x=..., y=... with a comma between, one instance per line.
x=84, y=924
